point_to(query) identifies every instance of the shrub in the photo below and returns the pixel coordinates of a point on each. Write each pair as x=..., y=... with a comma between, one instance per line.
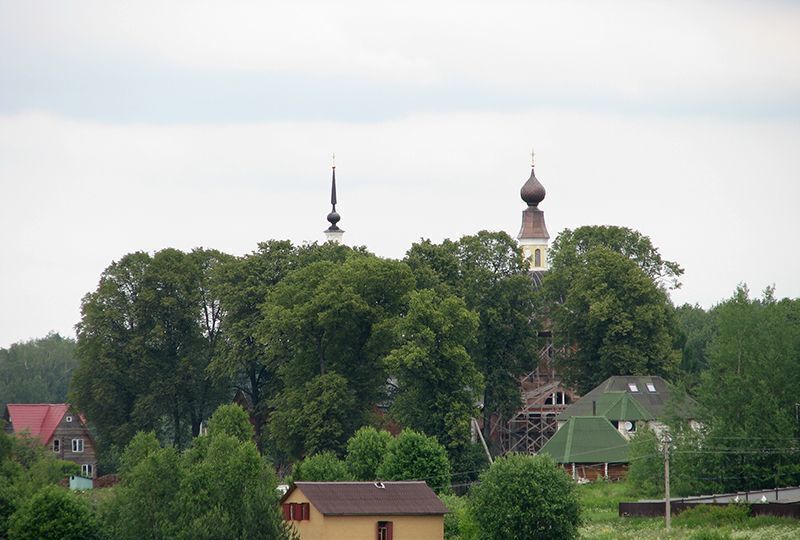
x=458, y=524
x=714, y=515
x=523, y=496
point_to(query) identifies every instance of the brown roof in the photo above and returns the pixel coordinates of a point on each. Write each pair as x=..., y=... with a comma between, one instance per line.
x=533, y=224
x=367, y=498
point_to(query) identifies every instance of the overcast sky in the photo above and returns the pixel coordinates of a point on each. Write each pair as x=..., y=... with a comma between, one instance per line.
x=130, y=126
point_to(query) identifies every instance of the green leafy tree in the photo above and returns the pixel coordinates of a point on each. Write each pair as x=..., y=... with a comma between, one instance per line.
x=37, y=371
x=146, y=337
x=416, y=456
x=142, y=445
x=53, y=514
x=438, y=384
x=232, y=491
x=322, y=467
x=488, y=271
x=614, y=321
x=646, y=468
x=145, y=503
x=749, y=396
x=696, y=330
x=332, y=317
x=242, y=284
x=525, y=497
x=231, y=420
x=569, y=248
x=365, y=452
x=221, y=487
x=313, y=418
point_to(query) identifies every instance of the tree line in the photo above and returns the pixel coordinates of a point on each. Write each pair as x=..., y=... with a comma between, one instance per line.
x=320, y=340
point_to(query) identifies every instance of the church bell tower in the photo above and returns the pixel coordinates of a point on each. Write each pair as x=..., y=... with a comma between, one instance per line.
x=533, y=236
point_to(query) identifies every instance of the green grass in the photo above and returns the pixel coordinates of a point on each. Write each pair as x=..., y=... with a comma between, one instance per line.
x=600, y=500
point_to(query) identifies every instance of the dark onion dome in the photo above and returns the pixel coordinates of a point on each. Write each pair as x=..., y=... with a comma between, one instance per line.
x=532, y=191
x=333, y=219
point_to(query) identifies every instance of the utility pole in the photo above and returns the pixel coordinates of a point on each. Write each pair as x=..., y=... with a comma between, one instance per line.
x=667, y=508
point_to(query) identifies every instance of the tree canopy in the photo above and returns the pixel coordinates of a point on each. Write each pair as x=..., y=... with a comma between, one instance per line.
x=613, y=321
x=145, y=339
x=416, y=456
x=749, y=395
x=37, y=371
x=488, y=272
x=438, y=384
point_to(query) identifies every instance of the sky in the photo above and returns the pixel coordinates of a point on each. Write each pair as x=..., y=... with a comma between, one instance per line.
x=130, y=126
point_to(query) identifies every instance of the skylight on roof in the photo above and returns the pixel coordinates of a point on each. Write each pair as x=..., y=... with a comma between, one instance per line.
x=632, y=387
x=651, y=387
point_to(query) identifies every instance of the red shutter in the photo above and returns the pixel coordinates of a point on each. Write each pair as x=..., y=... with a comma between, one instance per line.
x=388, y=530
x=287, y=511
x=306, y=511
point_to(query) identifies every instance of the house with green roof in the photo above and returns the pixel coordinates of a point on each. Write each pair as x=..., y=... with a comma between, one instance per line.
x=632, y=401
x=589, y=448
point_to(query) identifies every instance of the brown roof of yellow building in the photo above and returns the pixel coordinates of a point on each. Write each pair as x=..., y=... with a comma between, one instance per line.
x=367, y=498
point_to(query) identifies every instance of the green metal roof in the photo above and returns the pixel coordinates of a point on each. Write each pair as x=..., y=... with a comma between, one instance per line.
x=621, y=406
x=655, y=397
x=587, y=439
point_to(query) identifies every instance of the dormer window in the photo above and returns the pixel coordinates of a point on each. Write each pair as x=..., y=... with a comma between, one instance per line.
x=651, y=388
x=632, y=387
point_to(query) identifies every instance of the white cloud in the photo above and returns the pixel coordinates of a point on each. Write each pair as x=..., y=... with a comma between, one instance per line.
x=718, y=197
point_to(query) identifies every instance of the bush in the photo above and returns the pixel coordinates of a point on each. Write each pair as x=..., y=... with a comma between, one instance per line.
x=416, y=456
x=458, y=524
x=523, y=496
x=53, y=514
x=365, y=452
x=322, y=467
x=713, y=515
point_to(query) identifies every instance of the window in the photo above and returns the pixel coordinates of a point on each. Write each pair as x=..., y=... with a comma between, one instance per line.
x=651, y=387
x=86, y=470
x=632, y=387
x=77, y=445
x=68, y=418
x=537, y=258
x=56, y=445
x=296, y=511
x=384, y=530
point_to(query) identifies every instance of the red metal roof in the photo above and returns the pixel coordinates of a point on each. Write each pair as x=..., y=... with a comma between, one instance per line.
x=38, y=419
x=371, y=498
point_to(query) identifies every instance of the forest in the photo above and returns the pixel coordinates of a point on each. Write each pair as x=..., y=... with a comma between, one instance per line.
x=329, y=348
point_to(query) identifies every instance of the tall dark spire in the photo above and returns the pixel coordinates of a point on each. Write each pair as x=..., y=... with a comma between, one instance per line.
x=333, y=233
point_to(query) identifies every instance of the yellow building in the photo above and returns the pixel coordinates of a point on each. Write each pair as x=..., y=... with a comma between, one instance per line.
x=364, y=511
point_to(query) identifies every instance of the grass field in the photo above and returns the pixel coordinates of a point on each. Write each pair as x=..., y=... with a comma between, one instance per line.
x=601, y=520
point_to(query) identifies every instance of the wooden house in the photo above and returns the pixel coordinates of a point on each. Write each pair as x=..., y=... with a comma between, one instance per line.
x=58, y=427
x=364, y=511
